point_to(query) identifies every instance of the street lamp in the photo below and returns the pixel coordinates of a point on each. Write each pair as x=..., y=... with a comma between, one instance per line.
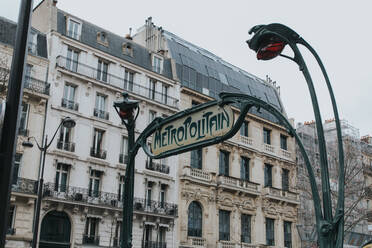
x=268, y=42
x=68, y=123
x=126, y=111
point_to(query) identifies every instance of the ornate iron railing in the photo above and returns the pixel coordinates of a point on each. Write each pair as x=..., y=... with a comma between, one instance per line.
x=98, y=153
x=155, y=166
x=37, y=85
x=67, y=146
x=24, y=185
x=90, y=240
x=145, y=205
x=101, y=114
x=153, y=244
x=116, y=81
x=69, y=104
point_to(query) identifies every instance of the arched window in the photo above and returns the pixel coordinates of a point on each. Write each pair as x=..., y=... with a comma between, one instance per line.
x=194, y=227
x=55, y=230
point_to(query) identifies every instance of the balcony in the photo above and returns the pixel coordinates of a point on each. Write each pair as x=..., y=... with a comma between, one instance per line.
x=116, y=81
x=157, y=166
x=23, y=131
x=67, y=146
x=155, y=207
x=196, y=242
x=245, y=140
x=237, y=184
x=81, y=195
x=97, y=153
x=90, y=240
x=268, y=148
x=24, y=185
x=197, y=174
x=226, y=244
x=36, y=85
x=101, y=114
x=281, y=195
x=69, y=104
x=285, y=153
x=153, y=244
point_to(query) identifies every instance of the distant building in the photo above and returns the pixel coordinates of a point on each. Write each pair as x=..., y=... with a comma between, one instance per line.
x=355, y=184
x=240, y=193
x=27, y=160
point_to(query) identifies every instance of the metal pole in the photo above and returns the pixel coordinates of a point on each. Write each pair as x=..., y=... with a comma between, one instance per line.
x=39, y=196
x=11, y=123
x=126, y=230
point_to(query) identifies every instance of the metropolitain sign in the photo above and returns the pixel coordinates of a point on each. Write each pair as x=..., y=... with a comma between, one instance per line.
x=197, y=127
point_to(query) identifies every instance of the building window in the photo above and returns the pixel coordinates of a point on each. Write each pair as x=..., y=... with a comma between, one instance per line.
x=285, y=179
x=162, y=237
x=100, y=107
x=148, y=199
x=244, y=129
x=24, y=119
x=94, y=183
x=152, y=89
x=148, y=236
x=287, y=234
x=270, y=238
x=267, y=136
x=97, y=149
x=27, y=75
x=283, y=142
x=32, y=42
x=268, y=175
x=224, y=163
x=16, y=165
x=65, y=139
x=246, y=228
x=152, y=116
x=102, y=38
x=123, y=150
x=224, y=225
x=117, y=237
x=164, y=93
x=157, y=64
x=127, y=49
x=72, y=60
x=196, y=159
x=121, y=188
x=195, y=220
x=128, y=80
x=102, y=69
x=11, y=220
x=68, y=100
x=61, y=177
x=91, y=231
x=163, y=189
x=73, y=30
x=244, y=168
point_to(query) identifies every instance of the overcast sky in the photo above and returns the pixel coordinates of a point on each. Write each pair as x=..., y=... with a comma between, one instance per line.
x=340, y=31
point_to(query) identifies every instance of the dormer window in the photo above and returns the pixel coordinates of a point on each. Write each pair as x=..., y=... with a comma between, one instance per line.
x=157, y=64
x=73, y=28
x=127, y=49
x=102, y=38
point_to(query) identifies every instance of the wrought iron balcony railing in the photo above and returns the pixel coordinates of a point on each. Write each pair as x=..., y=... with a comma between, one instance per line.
x=37, y=85
x=153, y=244
x=83, y=195
x=157, y=207
x=90, y=240
x=67, y=146
x=156, y=166
x=98, y=153
x=24, y=185
x=69, y=104
x=101, y=114
x=116, y=81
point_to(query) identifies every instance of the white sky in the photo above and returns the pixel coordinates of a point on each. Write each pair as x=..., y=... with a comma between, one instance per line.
x=337, y=30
